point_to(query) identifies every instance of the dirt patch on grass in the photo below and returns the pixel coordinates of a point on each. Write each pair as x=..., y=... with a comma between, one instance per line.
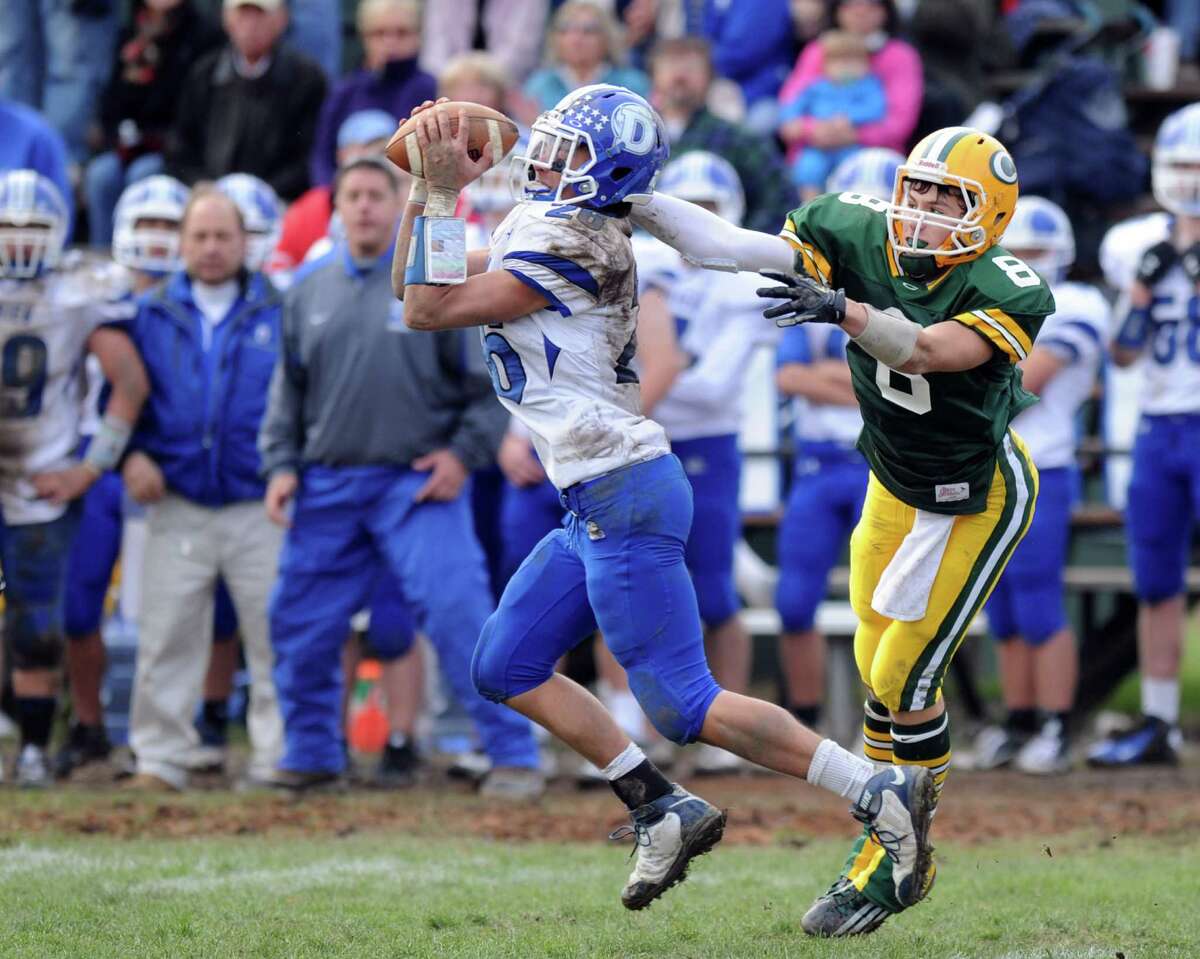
x=763, y=810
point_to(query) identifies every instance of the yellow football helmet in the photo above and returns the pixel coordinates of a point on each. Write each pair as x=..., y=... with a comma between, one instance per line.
x=968, y=160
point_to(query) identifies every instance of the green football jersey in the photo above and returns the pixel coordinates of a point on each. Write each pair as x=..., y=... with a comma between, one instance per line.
x=931, y=439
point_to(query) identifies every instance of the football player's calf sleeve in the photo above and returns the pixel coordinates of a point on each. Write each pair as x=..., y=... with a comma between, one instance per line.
x=925, y=744
x=877, y=732
x=707, y=240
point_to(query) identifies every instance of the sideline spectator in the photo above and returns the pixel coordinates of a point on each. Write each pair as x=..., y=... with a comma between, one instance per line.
x=249, y=107
x=479, y=78
x=390, y=79
x=209, y=337
x=751, y=45
x=682, y=73
x=513, y=31
x=584, y=46
x=145, y=249
x=30, y=143
x=140, y=102
x=55, y=56
x=893, y=61
x=307, y=221
x=847, y=89
x=374, y=492
x=315, y=29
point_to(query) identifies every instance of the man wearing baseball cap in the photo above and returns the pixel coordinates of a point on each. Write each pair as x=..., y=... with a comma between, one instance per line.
x=307, y=220
x=249, y=106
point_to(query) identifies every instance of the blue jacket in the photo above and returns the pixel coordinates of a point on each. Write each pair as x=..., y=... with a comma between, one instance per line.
x=200, y=423
x=29, y=142
x=751, y=42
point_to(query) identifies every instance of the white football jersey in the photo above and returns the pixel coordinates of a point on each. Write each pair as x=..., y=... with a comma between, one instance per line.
x=1170, y=363
x=566, y=371
x=719, y=324
x=1076, y=332
x=44, y=328
x=823, y=422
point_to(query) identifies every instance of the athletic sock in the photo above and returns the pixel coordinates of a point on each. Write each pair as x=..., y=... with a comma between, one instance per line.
x=839, y=771
x=1022, y=721
x=216, y=713
x=809, y=714
x=1160, y=699
x=635, y=779
x=35, y=716
x=877, y=732
x=924, y=744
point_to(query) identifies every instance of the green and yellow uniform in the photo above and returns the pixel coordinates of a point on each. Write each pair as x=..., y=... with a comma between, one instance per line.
x=946, y=470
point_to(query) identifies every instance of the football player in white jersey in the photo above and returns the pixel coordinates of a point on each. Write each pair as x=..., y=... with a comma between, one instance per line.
x=1154, y=263
x=262, y=214
x=1039, y=665
x=829, y=475
x=556, y=297
x=50, y=316
x=146, y=247
x=718, y=329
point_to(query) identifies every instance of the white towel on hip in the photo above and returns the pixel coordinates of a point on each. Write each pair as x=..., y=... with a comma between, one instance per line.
x=902, y=592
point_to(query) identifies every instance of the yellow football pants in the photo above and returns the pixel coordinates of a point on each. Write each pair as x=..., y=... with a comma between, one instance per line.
x=904, y=663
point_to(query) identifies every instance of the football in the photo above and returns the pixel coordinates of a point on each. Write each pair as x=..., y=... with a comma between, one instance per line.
x=488, y=128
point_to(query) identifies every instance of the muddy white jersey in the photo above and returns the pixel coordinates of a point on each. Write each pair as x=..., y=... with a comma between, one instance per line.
x=1077, y=333
x=44, y=327
x=719, y=324
x=566, y=371
x=1170, y=360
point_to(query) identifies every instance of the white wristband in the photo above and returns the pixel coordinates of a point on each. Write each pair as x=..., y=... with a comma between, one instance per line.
x=418, y=192
x=442, y=201
x=889, y=338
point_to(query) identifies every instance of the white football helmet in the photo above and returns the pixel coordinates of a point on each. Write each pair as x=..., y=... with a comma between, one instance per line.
x=1175, y=169
x=1042, y=233
x=151, y=249
x=33, y=224
x=870, y=172
x=703, y=177
x=262, y=214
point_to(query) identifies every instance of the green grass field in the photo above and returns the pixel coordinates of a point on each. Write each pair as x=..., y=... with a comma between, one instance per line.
x=383, y=894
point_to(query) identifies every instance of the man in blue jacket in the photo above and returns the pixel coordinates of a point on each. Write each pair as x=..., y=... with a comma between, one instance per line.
x=209, y=337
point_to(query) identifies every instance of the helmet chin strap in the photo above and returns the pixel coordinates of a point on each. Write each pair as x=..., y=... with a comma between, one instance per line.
x=923, y=268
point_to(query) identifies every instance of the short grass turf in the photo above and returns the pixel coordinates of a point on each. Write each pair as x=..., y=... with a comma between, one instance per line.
x=386, y=895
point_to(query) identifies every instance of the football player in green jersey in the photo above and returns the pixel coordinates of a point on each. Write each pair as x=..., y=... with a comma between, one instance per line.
x=938, y=315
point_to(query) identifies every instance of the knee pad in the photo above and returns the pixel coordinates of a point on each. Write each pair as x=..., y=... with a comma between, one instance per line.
x=496, y=673
x=716, y=597
x=1158, y=574
x=797, y=598
x=1039, y=611
x=33, y=644
x=677, y=713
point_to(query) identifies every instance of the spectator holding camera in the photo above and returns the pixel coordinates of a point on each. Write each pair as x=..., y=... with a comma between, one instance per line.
x=209, y=337
x=369, y=438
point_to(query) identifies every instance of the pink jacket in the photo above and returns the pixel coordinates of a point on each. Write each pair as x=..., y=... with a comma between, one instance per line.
x=898, y=67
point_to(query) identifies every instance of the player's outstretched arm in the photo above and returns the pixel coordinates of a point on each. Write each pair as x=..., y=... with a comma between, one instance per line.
x=888, y=335
x=707, y=240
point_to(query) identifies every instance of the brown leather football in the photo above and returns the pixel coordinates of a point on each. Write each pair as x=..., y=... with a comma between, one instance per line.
x=488, y=127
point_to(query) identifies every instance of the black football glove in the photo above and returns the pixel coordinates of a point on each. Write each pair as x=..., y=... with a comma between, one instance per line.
x=1155, y=262
x=807, y=300
x=1191, y=262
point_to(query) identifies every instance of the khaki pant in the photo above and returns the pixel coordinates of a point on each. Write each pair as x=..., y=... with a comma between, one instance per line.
x=187, y=547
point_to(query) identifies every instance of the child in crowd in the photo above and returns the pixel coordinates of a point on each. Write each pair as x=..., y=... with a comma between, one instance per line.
x=848, y=93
